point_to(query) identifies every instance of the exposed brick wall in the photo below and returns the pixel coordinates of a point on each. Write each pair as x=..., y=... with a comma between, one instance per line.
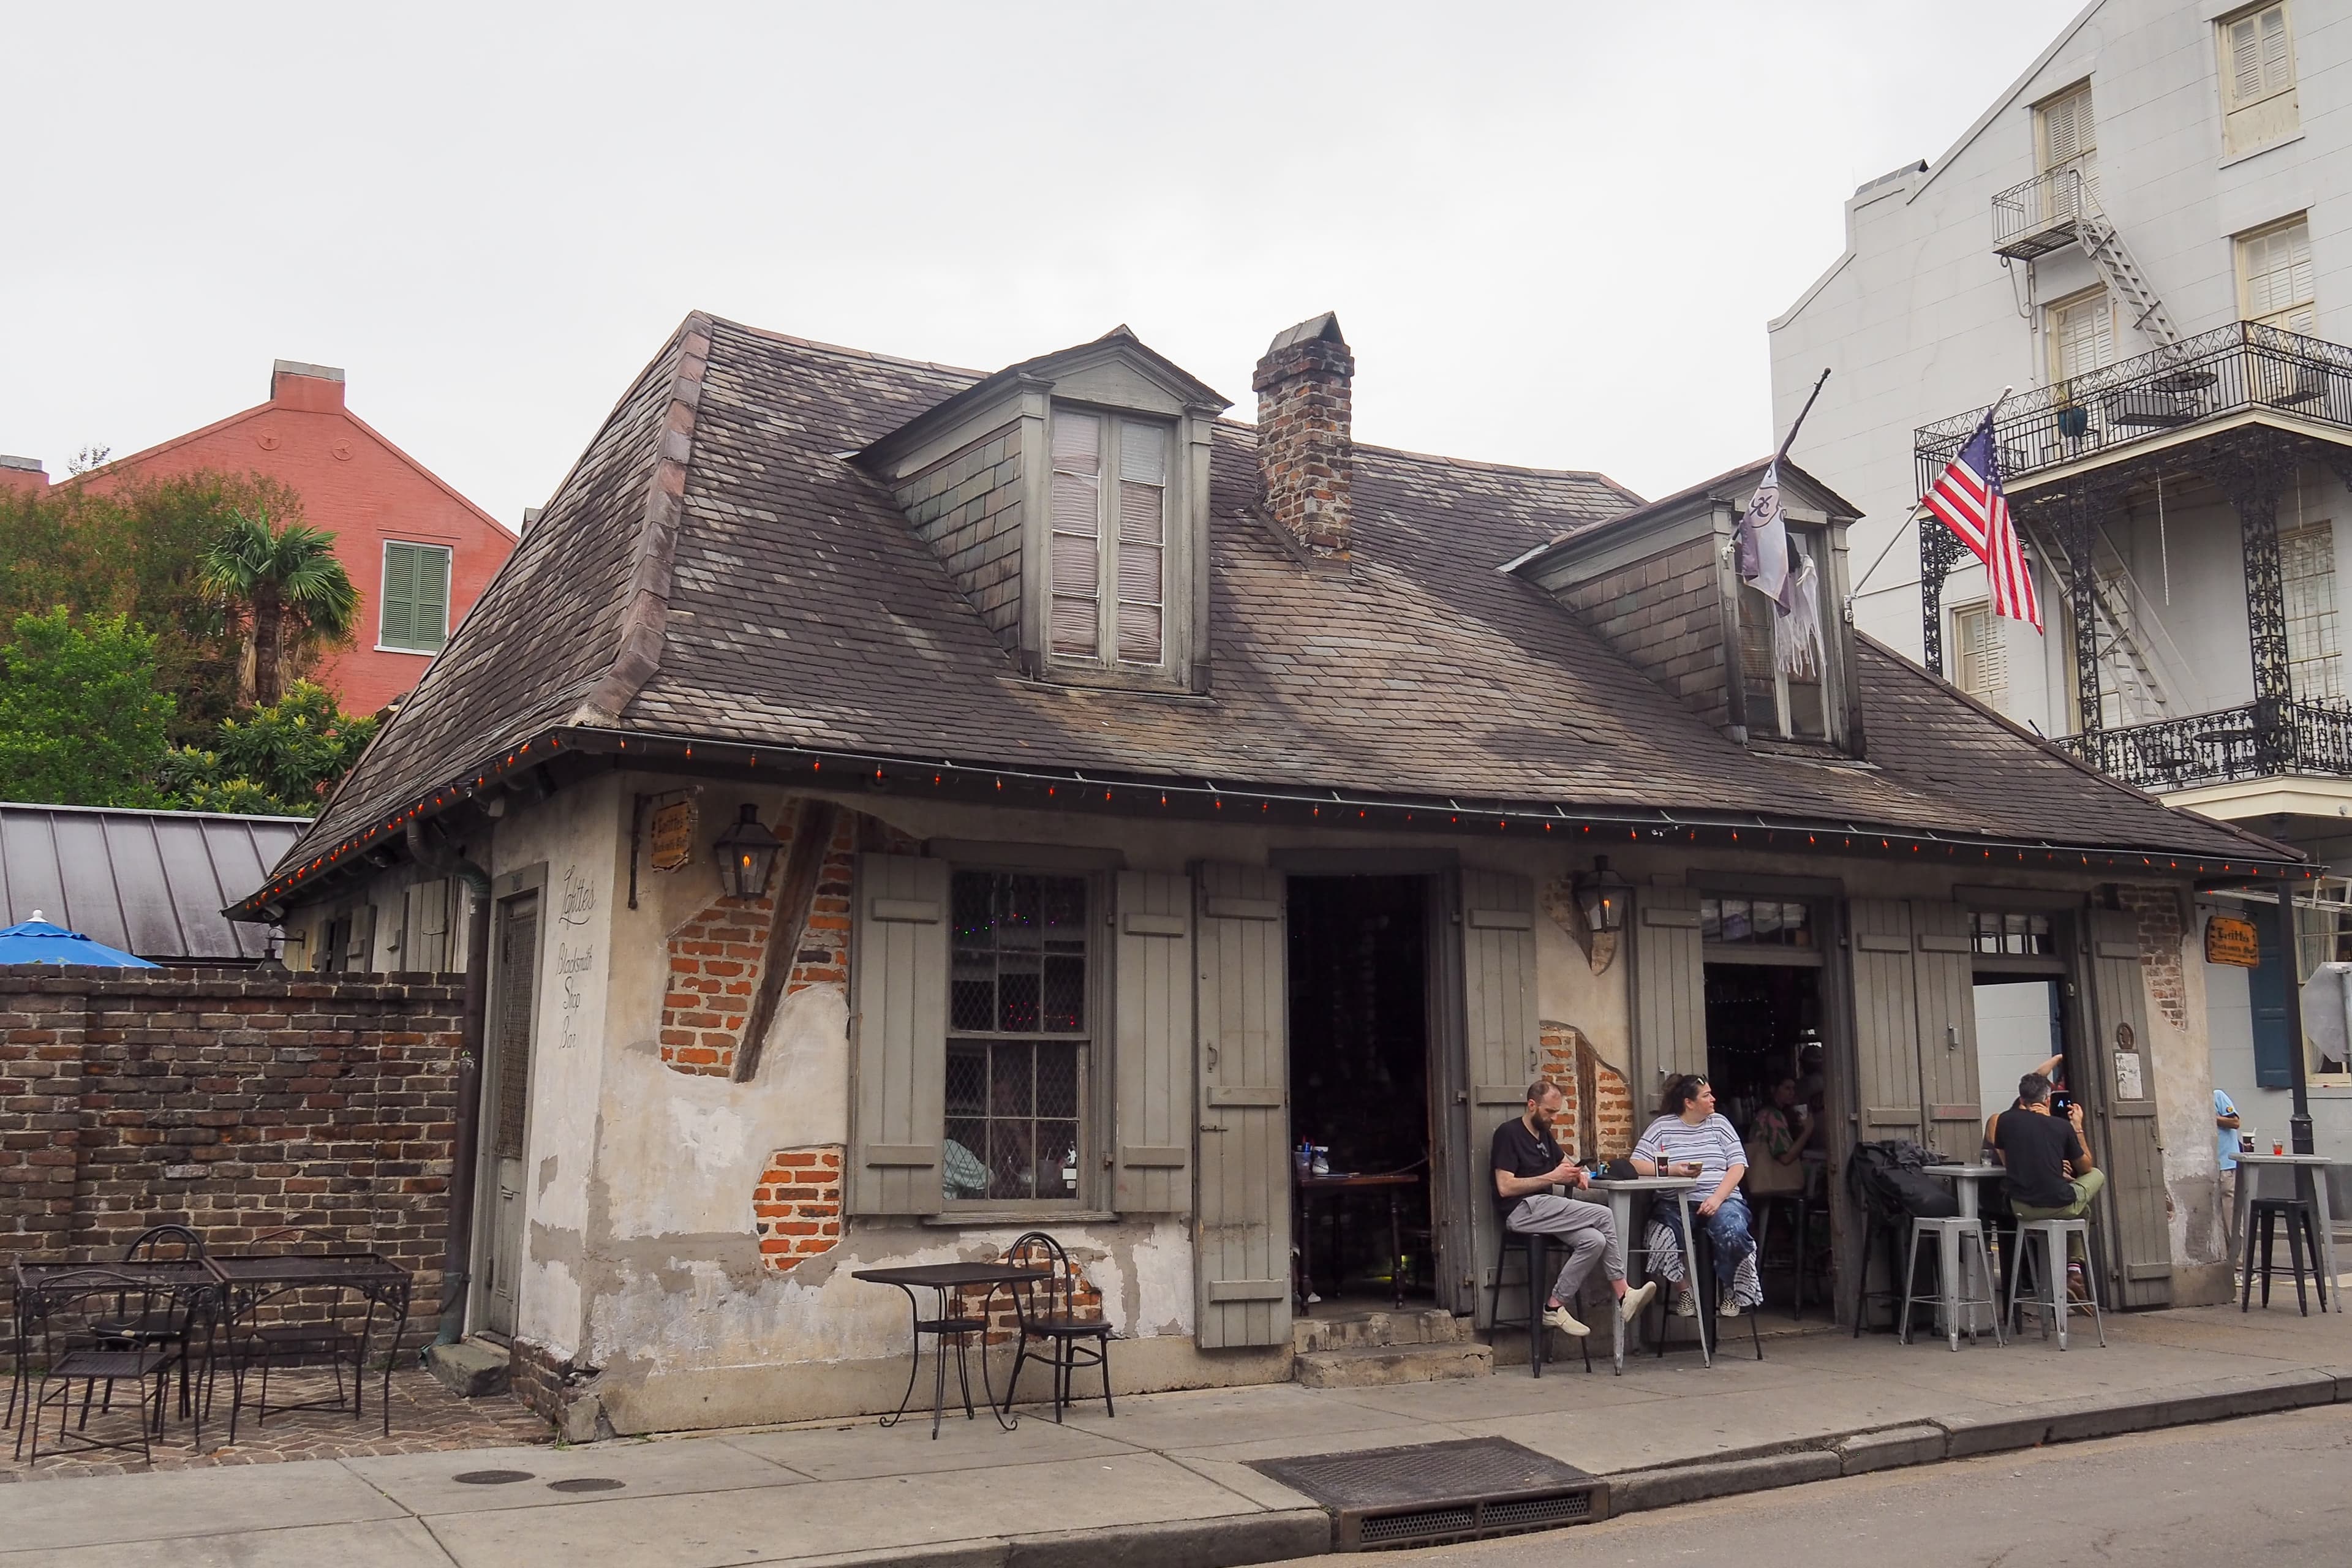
x=1305, y=437
x=967, y=508
x=1564, y=1051
x=2157, y=911
x=1003, y=1316
x=234, y=1102
x=715, y=959
x=1666, y=614
x=796, y=1208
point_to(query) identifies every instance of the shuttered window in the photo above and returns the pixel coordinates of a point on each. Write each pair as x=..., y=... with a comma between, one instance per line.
x=415, y=599
x=2082, y=332
x=1018, y=1010
x=1779, y=704
x=1110, y=487
x=2069, y=141
x=2260, y=59
x=2275, y=282
x=2314, y=645
x=1983, y=662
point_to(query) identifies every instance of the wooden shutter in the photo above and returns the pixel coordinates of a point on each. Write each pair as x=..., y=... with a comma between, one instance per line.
x=1499, y=1033
x=2128, y=1143
x=2067, y=131
x=1142, y=553
x=2261, y=61
x=1885, y=1021
x=2266, y=986
x=427, y=944
x=359, y=954
x=1943, y=976
x=2276, y=277
x=1669, y=991
x=1074, y=549
x=399, y=605
x=1983, y=663
x=432, y=622
x=2082, y=335
x=1242, y=1201
x=899, y=1035
x=1152, y=1047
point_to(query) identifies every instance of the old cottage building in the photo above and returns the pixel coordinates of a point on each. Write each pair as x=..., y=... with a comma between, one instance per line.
x=1148, y=792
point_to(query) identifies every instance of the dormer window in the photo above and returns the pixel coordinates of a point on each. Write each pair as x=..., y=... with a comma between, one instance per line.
x=1785, y=695
x=1108, y=552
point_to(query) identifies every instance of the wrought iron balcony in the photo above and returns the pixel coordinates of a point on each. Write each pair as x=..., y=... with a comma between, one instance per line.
x=2223, y=747
x=2039, y=217
x=2206, y=379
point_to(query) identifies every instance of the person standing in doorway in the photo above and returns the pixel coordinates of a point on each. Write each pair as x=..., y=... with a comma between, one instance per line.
x=2225, y=1145
x=1528, y=1163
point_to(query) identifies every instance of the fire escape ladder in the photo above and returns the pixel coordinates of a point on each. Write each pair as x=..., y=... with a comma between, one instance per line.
x=2124, y=627
x=2104, y=244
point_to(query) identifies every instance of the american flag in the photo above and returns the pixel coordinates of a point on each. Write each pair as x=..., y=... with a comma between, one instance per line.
x=1969, y=502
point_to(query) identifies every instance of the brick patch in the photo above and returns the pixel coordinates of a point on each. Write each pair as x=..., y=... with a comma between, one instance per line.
x=716, y=960
x=2157, y=911
x=796, y=1208
x=1569, y=1061
x=1003, y=1316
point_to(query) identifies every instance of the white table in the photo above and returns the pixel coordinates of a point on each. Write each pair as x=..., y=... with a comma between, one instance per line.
x=1966, y=1180
x=2311, y=1186
x=1622, y=1196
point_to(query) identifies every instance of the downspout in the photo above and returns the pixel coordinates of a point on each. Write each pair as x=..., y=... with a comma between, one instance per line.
x=457, y=1263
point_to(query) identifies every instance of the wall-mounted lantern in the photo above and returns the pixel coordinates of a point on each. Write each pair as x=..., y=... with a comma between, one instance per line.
x=1602, y=894
x=746, y=852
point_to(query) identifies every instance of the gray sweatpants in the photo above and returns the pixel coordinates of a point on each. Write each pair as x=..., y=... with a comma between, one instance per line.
x=1589, y=1231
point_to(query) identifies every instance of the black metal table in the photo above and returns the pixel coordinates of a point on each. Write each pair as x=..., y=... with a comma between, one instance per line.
x=171, y=1270
x=941, y=1279
x=248, y=1281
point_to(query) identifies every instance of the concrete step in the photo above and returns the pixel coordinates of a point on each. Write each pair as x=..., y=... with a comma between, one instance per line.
x=1379, y=1366
x=1363, y=1330
x=470, y=1369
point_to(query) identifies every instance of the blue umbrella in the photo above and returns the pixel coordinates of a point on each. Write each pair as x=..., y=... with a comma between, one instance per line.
x=39, y=942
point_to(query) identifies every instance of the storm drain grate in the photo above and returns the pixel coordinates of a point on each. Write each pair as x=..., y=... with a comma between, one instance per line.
x=1432, y=1493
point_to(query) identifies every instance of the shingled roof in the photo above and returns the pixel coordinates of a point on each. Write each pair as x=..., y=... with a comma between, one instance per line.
x=715, y=568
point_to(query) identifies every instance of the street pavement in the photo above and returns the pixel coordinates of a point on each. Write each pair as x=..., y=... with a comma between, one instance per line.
x=2269, y=1490
x=1166, y=1480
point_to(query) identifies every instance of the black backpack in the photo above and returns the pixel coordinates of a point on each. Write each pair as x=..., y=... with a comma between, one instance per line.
x=1890, y=1180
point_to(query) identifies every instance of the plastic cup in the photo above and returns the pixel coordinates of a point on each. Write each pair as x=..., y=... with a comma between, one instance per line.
x=2278, y=1147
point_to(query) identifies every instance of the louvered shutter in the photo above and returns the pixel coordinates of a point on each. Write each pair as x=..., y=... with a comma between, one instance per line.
x=1983, y=663
x=2139, y=1233
x=1142, y=492
x=2260, y=60
x=1075, y=559
x=2083, y=336
x=1243, y=1195
x=2066, y=129
x=2279, y=279
x=1500, y=1035
x=898, y=1033
x=1152, y=1047
x=432, y=613
x=399, y=595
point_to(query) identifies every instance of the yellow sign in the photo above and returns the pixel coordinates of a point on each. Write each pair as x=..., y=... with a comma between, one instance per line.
x=2229, y=940
x=673, y=834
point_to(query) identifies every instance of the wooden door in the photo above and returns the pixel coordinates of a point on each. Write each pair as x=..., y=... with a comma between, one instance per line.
x=2118, y=1085
x=505, y=1093
x=1943, y=975
x=1669, y=992
x=1242, y=1198
x=1152, y=1055
x=1497, y=923
x=1456, y=1147
x=1886, y=1022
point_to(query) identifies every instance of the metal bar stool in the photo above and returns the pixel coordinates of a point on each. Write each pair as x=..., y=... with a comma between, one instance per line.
x=2049, y=1296
x=2302, y=1227
x=1953, y=1238
x=1534, y=1250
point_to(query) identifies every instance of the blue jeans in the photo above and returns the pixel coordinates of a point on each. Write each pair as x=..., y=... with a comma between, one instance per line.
x=1730, y=1231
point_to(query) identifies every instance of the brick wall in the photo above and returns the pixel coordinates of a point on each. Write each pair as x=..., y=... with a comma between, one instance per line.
x=1666, y=614
x=1305, y=437
x=967, y=508
x=234, y=1102
x=2157, y=911
x=715, y=959
x=1569, y=1061
x=796, y=1208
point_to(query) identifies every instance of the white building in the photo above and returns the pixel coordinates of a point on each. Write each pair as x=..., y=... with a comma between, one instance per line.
x=2166, y=172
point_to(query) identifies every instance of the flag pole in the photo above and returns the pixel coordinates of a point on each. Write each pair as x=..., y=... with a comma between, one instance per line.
x=1790, y=439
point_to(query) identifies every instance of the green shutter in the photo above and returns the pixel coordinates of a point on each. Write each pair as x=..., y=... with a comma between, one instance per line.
x=399, y=595
x=1153, y=1050
x=432, y=598
x=415, y=597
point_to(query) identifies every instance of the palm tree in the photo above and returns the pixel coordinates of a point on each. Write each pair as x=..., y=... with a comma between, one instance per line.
x=289, y=588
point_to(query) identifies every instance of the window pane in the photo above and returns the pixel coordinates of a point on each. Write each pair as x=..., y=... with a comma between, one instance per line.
x=1710, y=920
x=1140, y=634
x=967, y=1080
x=1014, y=1105
x=1757, y=676
x=1736, y=924
x=1077, y=442
x=1057, y=1080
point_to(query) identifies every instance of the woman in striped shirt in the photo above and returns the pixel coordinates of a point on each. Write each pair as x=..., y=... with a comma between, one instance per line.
x=1689, y=1139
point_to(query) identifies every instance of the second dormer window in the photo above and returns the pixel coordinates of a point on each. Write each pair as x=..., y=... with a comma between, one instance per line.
x=1109, y=577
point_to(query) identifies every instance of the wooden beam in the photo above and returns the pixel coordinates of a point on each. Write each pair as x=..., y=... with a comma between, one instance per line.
x=804, y=869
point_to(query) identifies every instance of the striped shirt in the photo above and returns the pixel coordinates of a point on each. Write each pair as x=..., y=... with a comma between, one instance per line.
x=1712, y=1144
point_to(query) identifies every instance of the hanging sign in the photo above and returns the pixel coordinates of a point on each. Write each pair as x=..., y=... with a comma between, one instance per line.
x=673, y=829
x=2231, y=941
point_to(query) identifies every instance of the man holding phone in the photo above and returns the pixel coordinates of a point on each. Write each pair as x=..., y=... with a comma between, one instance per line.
x=1529, y=1162
x=2051, y=1173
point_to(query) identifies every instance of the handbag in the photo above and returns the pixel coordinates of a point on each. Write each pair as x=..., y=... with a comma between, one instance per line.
x=1767, y=1177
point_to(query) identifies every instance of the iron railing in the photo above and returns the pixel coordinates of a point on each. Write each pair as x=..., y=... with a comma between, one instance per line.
x=2037, y=217
x=2223, y=747
x=2229, y=370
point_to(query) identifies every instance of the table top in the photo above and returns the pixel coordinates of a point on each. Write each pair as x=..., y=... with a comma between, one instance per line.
x=946, y=1275
x=166, y=1268
x=300, y=1267
x=1645, y=1185
x=1398, y=1179
x=2285, y=1160
x=1979, y=1172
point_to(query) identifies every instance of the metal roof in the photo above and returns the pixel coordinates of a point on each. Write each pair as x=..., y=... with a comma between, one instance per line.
x=149, y=882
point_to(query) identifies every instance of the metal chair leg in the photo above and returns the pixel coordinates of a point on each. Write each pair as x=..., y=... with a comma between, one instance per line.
x=1910, y=1277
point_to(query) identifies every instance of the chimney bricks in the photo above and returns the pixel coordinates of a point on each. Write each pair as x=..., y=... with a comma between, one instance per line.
x=24, y=476
x=311, y=388
x=1306, y=444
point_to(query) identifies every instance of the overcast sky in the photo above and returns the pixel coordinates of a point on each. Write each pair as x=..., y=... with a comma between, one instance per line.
x=1552, y=233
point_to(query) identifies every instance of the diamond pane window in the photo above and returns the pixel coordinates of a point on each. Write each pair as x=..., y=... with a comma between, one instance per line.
x=2012, y=934
x=1017, y=1012
x=1755, y=922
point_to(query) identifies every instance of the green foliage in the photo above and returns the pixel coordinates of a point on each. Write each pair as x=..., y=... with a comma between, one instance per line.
x=81, y=720
x=285, y=583
x=279, y=761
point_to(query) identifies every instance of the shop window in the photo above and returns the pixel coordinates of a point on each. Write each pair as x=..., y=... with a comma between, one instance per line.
x=1018, y=1037
x=1755, y=922
x=2009, y=934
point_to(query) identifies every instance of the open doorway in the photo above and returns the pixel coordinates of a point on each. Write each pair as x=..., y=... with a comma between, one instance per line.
x=2021, y=1024
x=1765, y=1060
x=1360, y=1076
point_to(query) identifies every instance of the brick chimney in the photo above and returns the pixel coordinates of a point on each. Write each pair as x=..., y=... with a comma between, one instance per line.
x=1306, y=444
x=311, y=388
x=23, y=475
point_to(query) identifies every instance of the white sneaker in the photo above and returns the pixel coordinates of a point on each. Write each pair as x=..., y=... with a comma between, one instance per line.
x=1686, y=1304
x=1630, y=1308
x=1730, y=1309
x=1560, y=1318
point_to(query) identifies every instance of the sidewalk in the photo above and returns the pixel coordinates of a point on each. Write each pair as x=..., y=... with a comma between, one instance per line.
x=1165, y=1482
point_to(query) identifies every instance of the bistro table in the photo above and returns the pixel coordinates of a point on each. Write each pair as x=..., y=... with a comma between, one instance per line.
x=1309, y=1186
x=168, y=1270
x=1967, y=1179
x=248, y=1281
x=2311, y=1186
x=1621, y=1197
x=942, y=1278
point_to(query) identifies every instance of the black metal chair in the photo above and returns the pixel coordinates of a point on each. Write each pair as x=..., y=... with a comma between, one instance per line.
x=1532, y=1249
x=2302, y=1228
x=72, y=1326
x=160, y=1244
x=1047, y=1312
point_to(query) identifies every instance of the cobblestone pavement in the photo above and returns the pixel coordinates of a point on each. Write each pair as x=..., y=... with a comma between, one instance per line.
x=427, y=1418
